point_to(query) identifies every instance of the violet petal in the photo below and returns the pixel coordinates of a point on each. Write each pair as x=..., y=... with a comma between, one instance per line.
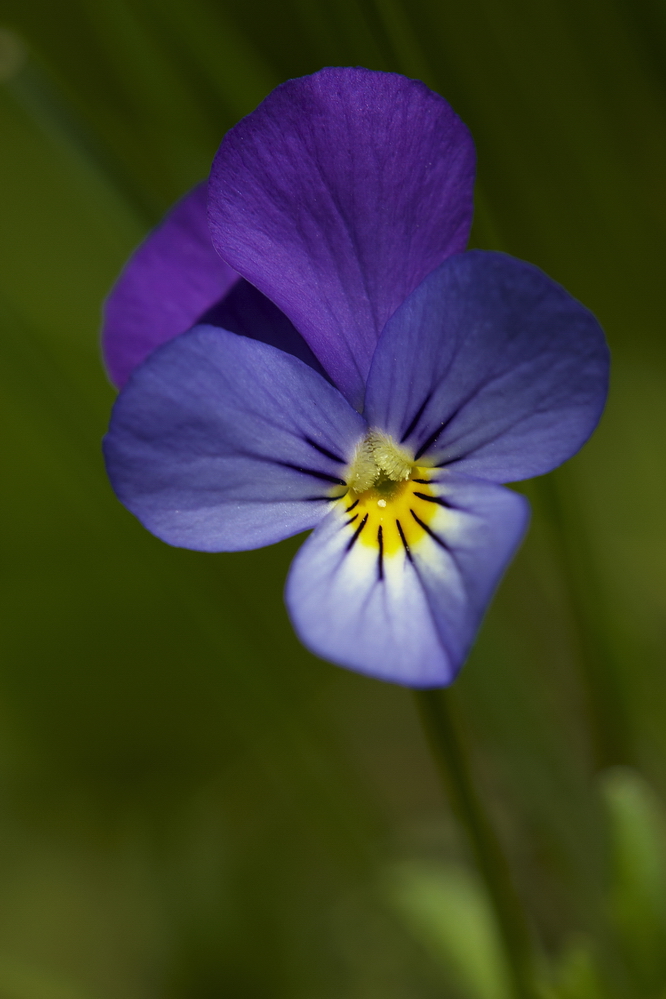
x=173, y=277
x=336, y=197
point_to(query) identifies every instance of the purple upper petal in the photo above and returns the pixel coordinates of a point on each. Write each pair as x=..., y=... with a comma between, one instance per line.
x=336, y=197
x=491, y=367
x=222, y=443
x=168, y=283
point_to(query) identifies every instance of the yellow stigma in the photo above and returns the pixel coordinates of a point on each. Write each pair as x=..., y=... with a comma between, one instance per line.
x=378, y=461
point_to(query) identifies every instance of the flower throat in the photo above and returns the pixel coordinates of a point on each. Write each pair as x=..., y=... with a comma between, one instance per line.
x=380, y=464
x=389, y=503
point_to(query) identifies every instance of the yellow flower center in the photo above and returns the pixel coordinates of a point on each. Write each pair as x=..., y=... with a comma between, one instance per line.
x=390, y=502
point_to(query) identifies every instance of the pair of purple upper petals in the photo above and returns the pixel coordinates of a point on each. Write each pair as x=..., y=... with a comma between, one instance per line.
x=335, y=199
x=336, y=216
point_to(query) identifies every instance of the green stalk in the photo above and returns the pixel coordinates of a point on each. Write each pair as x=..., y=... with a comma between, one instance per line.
x=436, y=710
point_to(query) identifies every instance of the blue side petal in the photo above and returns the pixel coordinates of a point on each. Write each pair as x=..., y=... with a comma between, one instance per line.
x=222, y=443
x=407, y=615
x=491, y=367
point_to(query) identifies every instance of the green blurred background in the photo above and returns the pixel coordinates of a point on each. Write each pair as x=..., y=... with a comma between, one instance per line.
x=190, y=804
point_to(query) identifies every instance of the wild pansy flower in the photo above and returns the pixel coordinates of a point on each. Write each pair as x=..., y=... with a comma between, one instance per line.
x=320, y=353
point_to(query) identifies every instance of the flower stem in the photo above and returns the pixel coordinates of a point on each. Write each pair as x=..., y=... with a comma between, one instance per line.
x=438, y=717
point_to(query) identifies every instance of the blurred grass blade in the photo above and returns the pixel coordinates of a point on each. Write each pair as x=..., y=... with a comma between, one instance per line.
x=13, y=54
x=637, y=827
x=21, y=981
x=218, y=51
x=391, y=25
x=36, y=92
x=601, y=673
x=447, y=910
x=67, y=227
x=576, y=975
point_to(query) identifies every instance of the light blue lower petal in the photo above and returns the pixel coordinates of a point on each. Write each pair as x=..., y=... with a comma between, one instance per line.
x=409, y=615
x=481, y=525
x=343, y=612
